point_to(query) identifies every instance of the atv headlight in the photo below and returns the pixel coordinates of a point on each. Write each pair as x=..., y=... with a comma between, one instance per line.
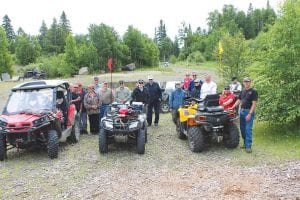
x=133, y=125
x=108, y=124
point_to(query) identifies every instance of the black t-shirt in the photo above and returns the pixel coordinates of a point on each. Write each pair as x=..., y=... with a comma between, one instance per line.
x=77, y=103
x=140, y=96
x=247, y=96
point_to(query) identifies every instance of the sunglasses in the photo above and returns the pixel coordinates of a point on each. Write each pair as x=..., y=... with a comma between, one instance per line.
x=141, y=83
x=226, y=88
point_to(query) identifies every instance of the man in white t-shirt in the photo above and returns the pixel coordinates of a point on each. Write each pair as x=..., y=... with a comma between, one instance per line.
x=208, y=87
x=235, y=86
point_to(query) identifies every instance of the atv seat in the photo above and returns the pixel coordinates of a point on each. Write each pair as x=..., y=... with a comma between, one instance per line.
x=211, y=100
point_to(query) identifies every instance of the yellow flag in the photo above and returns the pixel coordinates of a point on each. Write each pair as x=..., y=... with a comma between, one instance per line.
x=221, y=50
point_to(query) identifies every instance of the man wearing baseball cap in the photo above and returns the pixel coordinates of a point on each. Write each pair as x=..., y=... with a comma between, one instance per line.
x=140, y=93
x=247, y=99
x=122, y=93
x=154, y=101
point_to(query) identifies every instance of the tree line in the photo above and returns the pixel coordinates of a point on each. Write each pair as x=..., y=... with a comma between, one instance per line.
x=258, y=43
x=57, y=45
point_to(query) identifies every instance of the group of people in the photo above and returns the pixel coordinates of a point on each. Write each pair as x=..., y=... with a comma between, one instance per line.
x=231, y=97
x=93, y=103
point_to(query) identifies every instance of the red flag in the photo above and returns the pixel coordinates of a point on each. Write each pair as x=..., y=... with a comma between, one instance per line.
x=109, y=64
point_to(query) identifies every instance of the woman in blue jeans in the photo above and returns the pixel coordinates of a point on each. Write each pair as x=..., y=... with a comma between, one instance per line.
x=247, y=98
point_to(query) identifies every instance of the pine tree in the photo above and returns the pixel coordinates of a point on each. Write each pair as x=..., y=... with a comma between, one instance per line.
x=249, y=30
x=53, y=39
x=5, y=57
x=176, y=49
x=10, y=34
x=64, y=29
x=20, y=32
x=64, y=23
x=42, y=35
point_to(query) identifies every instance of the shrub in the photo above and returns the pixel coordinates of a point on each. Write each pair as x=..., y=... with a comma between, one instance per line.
x=196, y=57
x=173, y=59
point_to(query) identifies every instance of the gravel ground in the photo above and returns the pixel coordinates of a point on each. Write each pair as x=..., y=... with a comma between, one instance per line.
x=168, y=170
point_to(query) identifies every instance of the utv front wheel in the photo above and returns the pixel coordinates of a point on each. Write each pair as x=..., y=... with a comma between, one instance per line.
x=179, y=130
x=196, y=139
x=2, y=147
x=231, y=136
x=140, y=142
x=52, y=144
x=75, y=133
x=103, y=147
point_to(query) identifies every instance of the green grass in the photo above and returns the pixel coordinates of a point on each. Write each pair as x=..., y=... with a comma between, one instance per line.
x=209, y=65
x=161, y=69
x=282, y=142
x=272, y=144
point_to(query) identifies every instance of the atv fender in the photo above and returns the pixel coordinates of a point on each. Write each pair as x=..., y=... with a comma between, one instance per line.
x=184, y=113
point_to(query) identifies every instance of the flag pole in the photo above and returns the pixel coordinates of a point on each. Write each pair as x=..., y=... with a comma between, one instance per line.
x=111, y=95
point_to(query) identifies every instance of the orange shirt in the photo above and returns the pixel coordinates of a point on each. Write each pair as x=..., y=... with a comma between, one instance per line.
x=224, y=98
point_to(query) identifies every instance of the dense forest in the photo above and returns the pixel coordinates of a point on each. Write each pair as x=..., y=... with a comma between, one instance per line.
x=260, y=43
x=58, y=46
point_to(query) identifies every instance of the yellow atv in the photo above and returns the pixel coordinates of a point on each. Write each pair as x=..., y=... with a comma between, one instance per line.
x=186, y=117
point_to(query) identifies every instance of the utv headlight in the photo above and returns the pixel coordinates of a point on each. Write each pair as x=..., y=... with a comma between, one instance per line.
x=3, y=122
x=133, y=125
x=108, y=124
x=39, y=122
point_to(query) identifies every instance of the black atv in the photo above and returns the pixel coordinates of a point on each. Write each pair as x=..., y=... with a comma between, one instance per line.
x=124, y=123
x=213, y=124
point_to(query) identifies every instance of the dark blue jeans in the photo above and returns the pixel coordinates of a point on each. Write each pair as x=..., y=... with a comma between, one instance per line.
x=246, y=127
x=83, y=121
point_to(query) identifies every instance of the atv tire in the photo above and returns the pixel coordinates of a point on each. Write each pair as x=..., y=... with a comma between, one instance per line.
x=179, y=131
x=146, y=133
x=2, y=147
x=52, y=144
x=164, y=107
x=196, y=139
x=75, y=133
x=140, y=142
x=231, y=136
x=103, y=146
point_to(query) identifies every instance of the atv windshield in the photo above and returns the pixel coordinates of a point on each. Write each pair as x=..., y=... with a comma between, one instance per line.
x=35, y=101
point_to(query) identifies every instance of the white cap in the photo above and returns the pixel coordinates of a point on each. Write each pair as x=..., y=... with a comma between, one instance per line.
x=150, y=77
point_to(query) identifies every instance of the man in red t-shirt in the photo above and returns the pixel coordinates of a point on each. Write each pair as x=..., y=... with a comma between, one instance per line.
x=227, y=98
x=186, y=81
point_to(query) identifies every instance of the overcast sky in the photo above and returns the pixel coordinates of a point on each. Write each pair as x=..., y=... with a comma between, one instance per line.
x=142, y=14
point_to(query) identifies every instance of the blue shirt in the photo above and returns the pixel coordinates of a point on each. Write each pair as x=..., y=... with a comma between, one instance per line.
x=176, y=98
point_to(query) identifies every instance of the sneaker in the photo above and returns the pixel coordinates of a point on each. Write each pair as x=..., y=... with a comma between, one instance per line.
x=155, y=124
x=248, y=150
x=149, y=125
